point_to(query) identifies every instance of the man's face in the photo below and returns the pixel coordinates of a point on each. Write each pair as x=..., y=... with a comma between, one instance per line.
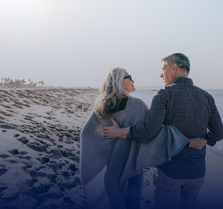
x=167, y=74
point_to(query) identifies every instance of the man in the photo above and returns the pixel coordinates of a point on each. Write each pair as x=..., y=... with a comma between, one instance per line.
x=193, y=112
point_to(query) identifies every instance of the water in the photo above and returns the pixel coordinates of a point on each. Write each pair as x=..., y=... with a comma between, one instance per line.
x=147, y=94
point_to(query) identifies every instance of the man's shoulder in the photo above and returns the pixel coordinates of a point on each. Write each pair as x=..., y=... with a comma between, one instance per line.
x=163, y=91
x=161, y=95
x=169, y=91
x=204, y=92
x=173, y=89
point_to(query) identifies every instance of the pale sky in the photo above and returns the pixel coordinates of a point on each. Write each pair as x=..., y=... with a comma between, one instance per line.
x=76, y=42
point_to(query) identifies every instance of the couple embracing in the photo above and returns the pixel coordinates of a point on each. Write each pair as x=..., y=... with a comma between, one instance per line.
x=122, y=136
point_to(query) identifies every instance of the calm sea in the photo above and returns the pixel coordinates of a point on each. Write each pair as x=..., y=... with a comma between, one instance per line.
x=147, y=94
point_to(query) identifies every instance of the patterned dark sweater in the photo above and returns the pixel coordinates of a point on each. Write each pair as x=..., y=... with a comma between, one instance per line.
x=193, y=112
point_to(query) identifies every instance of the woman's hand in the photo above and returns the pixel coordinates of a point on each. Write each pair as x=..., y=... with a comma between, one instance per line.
x=197, y=143
x=114, y=131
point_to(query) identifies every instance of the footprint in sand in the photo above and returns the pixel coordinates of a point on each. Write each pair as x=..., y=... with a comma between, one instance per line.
x=44, y=160
x=37, y=174
x=4, y=156
x=31, y=182
x=52, y=177
x=7, y=126
x=13, y=161
x=24, y=140
x=14, y=152
x=3, y=170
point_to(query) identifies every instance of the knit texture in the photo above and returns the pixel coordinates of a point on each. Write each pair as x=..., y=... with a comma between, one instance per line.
x=193, y=112
x=107, y=164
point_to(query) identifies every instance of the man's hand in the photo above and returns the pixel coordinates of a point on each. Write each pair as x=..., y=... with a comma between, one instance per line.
x=114, y=131
x=197, y=143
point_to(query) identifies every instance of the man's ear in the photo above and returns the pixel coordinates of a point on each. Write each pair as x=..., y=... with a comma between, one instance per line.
x=175, y=68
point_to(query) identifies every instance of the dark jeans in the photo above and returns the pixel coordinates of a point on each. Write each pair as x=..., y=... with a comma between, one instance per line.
x=175, y=193
x=132, y=201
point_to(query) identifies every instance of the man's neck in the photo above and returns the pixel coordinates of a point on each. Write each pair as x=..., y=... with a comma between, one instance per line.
x=181, y=75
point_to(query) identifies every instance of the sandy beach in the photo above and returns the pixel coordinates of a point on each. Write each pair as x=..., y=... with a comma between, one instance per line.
x=40, y=150
x=39, y=147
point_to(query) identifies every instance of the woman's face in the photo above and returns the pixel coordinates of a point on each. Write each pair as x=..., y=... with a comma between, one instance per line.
x=127, y=84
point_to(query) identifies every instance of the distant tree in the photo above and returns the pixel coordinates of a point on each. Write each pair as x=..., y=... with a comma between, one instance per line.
x=11, y=82
x=20, y=83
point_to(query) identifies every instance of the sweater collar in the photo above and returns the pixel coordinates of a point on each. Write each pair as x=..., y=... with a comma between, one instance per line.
x=183, y=80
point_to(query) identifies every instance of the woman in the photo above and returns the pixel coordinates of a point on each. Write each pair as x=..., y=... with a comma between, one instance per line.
x=111, y=168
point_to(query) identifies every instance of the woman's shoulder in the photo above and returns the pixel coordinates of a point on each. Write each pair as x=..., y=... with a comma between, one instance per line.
x=137, y=102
